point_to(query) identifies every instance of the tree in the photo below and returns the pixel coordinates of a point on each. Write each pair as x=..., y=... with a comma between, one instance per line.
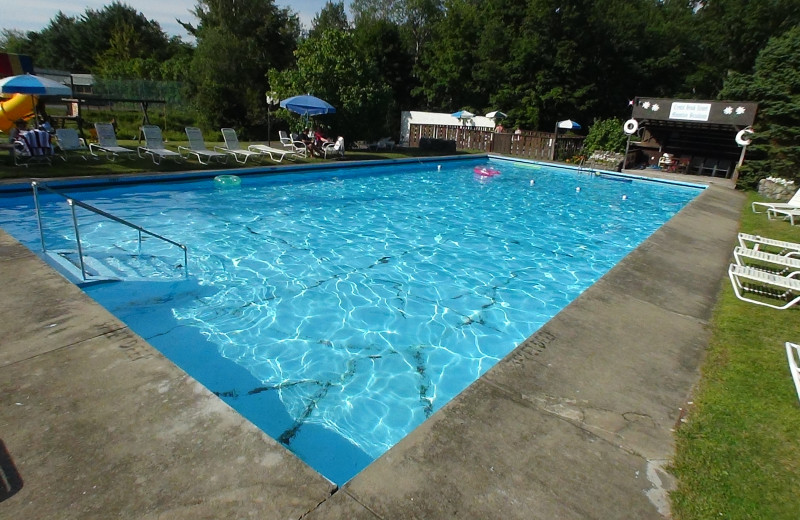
x=78, y=44
x=54, y=47
x=733, y=32
x=380, y=42
x=238, y=42
x=331, y=16
x=13, y=41
x=775, y=84
x=331, y=67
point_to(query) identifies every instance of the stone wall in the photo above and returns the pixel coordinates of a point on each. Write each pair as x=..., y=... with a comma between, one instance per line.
x=778, y=189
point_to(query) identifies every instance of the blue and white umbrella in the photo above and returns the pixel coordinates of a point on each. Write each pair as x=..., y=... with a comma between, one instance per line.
x=568, y=124
x=463, y=114
x=33, y=85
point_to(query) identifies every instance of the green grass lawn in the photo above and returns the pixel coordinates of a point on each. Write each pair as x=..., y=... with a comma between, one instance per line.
x=76, y=166
x=738, y=454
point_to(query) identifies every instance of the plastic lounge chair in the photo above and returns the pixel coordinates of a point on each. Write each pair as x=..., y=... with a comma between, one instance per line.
x=69, y=141
x=33, y=147
x=746, y=279
x=232, y=147
x=107, y=143
x=794, y=203
x=382, y=144
x=296, y=146
x=781, y=265
x=780, y=247
x=723, y=167
x=335, y=148
x=696, y=165
x=154, y=145
x=793, y=354
x=274, y=154
x=197, y=147
x=788, y=214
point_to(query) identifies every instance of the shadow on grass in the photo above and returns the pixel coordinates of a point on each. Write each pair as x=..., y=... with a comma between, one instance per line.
x=77, y=167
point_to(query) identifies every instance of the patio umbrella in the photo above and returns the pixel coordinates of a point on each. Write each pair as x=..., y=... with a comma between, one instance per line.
x=463, y=114
x=33, y=85
x=569, y=124
x=307, y=105
x=495, y=115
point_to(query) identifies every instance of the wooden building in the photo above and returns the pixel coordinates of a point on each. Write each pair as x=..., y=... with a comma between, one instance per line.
x=689, y=136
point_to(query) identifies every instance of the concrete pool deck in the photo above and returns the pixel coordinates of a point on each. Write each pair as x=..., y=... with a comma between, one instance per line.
x=575, y=423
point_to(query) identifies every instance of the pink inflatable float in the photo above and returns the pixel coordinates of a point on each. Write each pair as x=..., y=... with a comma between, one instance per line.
x=484, y=171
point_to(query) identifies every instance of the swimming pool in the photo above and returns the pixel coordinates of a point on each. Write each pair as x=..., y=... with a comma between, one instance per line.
x=339, y=309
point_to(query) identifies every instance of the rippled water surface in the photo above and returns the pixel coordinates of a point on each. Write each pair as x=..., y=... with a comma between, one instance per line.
x=339, y=312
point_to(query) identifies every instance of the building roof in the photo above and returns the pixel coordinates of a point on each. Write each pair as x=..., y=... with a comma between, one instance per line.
x=738, y=114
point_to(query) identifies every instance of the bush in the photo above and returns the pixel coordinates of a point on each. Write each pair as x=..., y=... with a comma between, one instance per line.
x=606, y=135
x=437, y=145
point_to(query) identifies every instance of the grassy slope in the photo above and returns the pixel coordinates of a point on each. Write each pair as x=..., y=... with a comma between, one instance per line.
x=738, y=456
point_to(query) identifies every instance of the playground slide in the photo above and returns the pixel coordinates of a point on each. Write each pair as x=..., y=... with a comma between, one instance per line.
x=20, y=106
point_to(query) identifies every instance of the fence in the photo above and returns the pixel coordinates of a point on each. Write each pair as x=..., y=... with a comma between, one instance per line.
x=530, y=145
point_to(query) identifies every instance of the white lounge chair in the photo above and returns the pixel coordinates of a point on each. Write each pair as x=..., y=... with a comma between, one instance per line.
x=787, y=214
x=276, y=154
x=794, y=203
x=69, y=141
x=334, y=148
x=298, y=147
x=384, y=143
x=793, y=353
x=197, y=147
x=107, y=143
x=746, y=279
x=154, y=145
x=780, y=247
x=782, y=265
x=232, y=147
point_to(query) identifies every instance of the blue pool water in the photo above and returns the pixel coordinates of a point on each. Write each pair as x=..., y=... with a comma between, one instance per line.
x=337, y=310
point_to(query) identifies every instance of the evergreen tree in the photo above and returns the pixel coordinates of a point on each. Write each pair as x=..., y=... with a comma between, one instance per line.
x=775, y=85
x=238, y=42
x=331, y=16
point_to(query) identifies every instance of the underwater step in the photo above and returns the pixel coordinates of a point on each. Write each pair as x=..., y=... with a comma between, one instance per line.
x=115, y=266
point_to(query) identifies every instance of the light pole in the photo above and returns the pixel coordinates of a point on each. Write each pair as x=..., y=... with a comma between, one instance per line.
x=270, y=101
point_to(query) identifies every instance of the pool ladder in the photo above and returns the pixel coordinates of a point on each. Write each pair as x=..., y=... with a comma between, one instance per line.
x=582, y=169
x=36, y=185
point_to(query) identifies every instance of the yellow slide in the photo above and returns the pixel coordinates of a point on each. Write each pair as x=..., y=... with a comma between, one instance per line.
x=20, y=106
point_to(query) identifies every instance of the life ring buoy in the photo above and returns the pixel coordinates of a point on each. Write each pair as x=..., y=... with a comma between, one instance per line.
x=227, y=181
x=483, y=171
x=631, y=126
x=741, y=139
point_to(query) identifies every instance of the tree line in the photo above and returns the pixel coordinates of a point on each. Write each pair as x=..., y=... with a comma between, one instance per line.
x=536, y=60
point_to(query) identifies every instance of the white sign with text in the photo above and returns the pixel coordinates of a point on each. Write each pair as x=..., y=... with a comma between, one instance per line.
x=690, y=111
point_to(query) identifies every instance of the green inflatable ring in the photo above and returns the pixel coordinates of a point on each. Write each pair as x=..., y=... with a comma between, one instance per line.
x=227, y=181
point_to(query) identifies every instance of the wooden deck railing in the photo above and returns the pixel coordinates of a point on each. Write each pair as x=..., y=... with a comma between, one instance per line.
x=530, y=145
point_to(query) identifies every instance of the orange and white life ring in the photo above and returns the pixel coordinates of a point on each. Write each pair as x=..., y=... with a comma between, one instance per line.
x=631, y=126
x=741, y=140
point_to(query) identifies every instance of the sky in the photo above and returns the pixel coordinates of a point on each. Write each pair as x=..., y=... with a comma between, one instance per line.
x=35, y=15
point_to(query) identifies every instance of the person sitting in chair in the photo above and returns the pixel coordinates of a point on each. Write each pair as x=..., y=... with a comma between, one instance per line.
x=308, y=141
x=319, y=138
x=20, y=126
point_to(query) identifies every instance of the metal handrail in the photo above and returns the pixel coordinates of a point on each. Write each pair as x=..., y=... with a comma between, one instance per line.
x=74, y=202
